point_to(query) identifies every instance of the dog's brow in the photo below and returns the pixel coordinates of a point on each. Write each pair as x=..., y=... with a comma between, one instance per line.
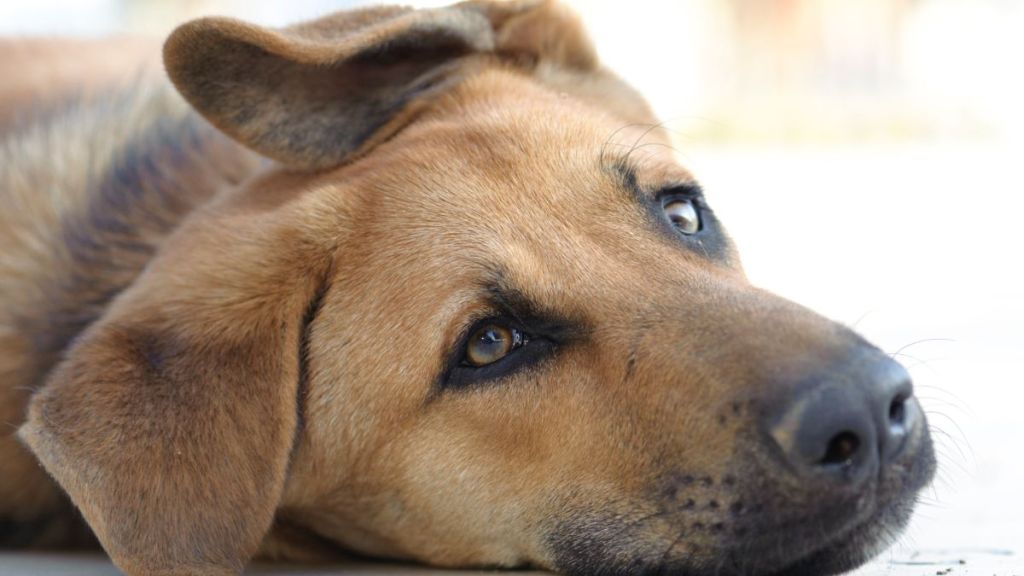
x=508, y=297
x=627, y=174
x=712, y=244
x=502, y=294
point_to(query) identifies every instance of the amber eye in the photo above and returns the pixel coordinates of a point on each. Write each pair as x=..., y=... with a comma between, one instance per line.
x=683, y=215
x=492, y=342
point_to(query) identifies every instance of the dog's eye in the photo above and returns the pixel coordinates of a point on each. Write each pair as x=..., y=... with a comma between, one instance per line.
x=500, y=346
x=683, y=214
x=492, y=342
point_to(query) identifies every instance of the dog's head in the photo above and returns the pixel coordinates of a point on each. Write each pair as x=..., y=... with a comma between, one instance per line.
x=478, y=315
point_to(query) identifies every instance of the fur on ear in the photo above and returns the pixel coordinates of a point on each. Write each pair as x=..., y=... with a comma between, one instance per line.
x=171, y=421
x=541, y=30
x=315, y=94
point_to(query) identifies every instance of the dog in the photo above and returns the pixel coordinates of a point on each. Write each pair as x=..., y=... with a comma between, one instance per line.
x=427, y=285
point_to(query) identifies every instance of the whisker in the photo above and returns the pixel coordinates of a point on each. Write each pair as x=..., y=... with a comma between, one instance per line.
x=640, y=138
x=941, y=390
x=948, y=418
x=608, y=141
x=860, y=319
x=921, y=341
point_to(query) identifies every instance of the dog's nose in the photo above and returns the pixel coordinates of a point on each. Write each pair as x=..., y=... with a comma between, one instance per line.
x=848, y=425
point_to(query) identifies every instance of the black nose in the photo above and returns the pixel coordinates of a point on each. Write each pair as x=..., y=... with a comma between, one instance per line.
x=850, y=422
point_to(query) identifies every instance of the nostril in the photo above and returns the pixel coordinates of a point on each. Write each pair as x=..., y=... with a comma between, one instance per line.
x=898, y=411
x=841, y=448
x=902, y=421
x=850, y=424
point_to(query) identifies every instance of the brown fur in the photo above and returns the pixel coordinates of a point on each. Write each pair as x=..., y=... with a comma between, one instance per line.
x=213, y=354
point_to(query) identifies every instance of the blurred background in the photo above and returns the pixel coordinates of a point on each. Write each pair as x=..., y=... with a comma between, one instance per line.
x=866, y=156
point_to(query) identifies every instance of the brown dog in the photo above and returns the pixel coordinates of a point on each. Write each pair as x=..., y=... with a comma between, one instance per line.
x=473, y=313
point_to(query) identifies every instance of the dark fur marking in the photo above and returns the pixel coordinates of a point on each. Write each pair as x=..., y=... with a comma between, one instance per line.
x=550, y=330
x=131, y=208
x=600, y=546
x=305, y=332
x=710, y=242
x=508, y=298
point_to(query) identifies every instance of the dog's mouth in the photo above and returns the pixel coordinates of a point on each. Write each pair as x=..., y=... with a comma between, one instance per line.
x=825, y=544
x=767, y=537
x=840, y=539
x=852, y=547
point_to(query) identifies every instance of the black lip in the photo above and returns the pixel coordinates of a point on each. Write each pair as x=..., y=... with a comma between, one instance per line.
x=853, y=547
x=804, y=545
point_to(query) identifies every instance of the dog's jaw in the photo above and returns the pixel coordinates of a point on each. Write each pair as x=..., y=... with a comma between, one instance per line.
x=693, y=534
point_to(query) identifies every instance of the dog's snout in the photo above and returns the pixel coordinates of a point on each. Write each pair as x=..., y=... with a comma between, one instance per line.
x=849, y=424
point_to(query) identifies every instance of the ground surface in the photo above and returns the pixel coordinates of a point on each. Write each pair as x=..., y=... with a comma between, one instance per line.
x=949, y=562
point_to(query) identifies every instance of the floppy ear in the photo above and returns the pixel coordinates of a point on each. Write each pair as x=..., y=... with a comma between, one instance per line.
x=171, y=420
x=541, y=30
x=315, y=94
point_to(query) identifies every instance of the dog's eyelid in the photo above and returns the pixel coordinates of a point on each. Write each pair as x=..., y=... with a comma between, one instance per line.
x=690, y=190
x=542, y=335
x=628, y=175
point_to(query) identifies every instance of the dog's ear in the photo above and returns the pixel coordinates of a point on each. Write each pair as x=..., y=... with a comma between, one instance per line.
x=541, y=30
x=315, y=94
x=171, y=420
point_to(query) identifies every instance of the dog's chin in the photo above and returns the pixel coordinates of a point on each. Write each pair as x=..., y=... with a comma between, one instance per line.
x=845, y=550
x=839, y=551
x=783, y=557
x=831, y=541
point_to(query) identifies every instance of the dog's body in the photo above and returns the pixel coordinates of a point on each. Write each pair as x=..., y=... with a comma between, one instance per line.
x=91, y=186
x=225, y=354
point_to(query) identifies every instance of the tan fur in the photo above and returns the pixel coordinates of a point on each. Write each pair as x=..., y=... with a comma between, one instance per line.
x=215, y=355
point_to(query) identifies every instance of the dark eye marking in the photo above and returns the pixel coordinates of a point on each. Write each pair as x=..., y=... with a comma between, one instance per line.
x=491, y=342
x=516, y=335
x=684, y=208
x=678, y=210
x=494, y=347
x=683, y=214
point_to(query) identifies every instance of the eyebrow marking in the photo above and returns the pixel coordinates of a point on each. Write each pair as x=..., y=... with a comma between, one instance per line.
x=552, y=330
x=712, y=244
x=626, y=173
x=503, y=295
x=507, y=298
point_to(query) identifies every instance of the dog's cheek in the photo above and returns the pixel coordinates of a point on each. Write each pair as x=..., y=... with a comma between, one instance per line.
x=485, y=474
x=467, y=490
